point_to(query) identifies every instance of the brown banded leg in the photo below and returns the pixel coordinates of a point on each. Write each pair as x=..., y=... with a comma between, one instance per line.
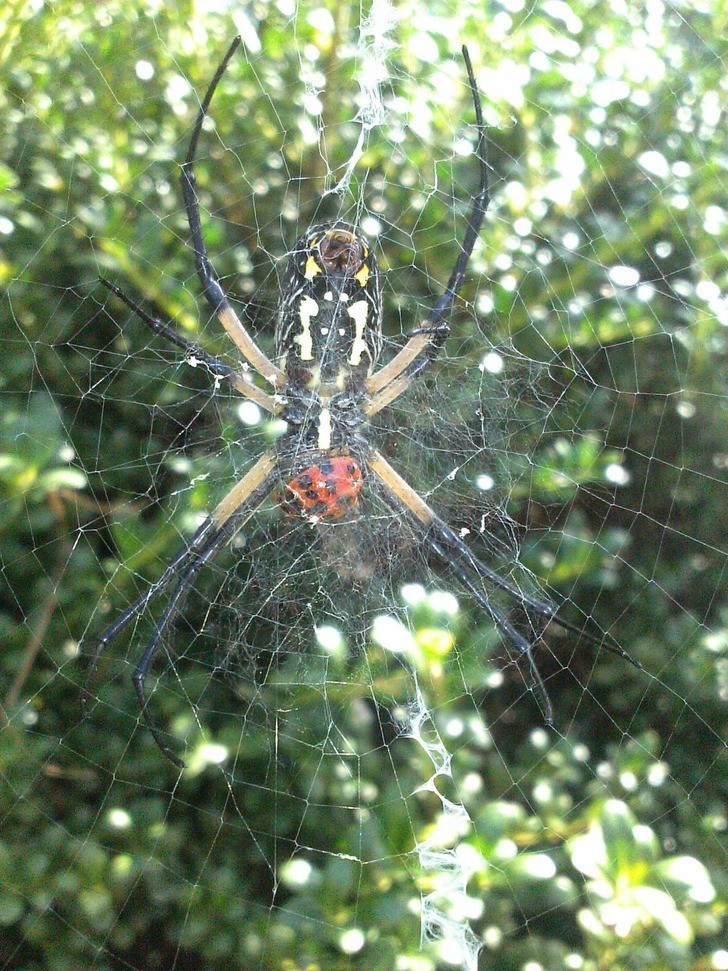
x=241, y=382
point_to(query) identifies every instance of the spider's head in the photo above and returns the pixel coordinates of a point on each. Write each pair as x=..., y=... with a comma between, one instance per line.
x=334, y=252
x=329, y=320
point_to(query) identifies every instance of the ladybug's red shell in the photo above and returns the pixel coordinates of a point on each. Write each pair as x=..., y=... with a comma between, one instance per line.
x=327, y=490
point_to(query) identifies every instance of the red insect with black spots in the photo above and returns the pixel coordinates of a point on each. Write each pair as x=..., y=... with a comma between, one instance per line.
x=325, y=386
x=328, y=490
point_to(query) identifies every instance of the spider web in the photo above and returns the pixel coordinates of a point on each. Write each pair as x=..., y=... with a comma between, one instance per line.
x=369, y=780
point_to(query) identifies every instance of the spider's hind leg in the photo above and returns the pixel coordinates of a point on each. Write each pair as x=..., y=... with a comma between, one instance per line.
x=524, y=646
x=231, y=513
x=174, y=605
x=112, y=631
x=441, y=540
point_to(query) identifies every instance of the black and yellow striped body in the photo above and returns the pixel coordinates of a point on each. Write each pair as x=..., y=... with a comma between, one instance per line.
x=329, y=332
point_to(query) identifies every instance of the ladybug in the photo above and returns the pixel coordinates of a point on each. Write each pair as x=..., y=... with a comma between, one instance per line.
x=327, y=490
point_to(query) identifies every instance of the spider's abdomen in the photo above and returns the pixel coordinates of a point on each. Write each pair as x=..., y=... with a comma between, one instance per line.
x=326, y=490
x=329, y=321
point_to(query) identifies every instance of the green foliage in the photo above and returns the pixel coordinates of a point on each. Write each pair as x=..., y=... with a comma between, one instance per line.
x=291, y=840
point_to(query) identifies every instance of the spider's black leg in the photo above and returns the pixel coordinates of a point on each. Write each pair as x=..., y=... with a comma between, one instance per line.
x=425, y=342
x=534, y=681
x=223, y=523
x=209, y=279
x=437, y=321
x=199, y=558
x=444, y=542
x=454, y=546
x=198, y=541
x=213, y=364
x=524, y=647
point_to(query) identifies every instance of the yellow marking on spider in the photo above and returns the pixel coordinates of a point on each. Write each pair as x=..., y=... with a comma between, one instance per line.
x=362, y=275
x=312, y=268
x=315, y=375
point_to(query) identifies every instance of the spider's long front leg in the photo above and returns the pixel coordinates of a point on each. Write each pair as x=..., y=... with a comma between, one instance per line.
x=226, y=519
x=425, y=342
x=448, y=547
x=209, y=279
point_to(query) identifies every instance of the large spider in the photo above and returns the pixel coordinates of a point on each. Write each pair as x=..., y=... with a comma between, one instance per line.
x=325, y=387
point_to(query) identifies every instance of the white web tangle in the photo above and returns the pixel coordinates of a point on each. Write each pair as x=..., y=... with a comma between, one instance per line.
x=445, y=908
x=375, y=43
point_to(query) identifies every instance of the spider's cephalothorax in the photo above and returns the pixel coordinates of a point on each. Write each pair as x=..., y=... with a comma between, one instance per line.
x=329, y=332
x=325, y=387
x=328, y=338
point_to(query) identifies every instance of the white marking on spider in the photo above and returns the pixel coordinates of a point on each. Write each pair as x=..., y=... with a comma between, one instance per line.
x=324, y=431
x=359, y=312
x=307, y=310
x=344, y=296
x=328, y=295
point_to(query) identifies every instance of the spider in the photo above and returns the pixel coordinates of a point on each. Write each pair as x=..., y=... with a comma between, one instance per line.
x=325, y=387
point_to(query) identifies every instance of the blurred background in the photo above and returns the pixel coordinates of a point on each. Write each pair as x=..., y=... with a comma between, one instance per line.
x=364, y=760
